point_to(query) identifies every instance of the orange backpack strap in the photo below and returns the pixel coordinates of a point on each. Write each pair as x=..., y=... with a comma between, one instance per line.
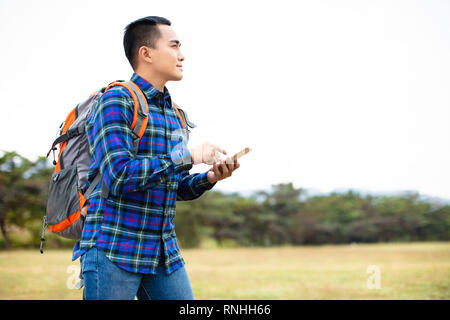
x=184, y=119
x=182, y=122
x=139, y=124
x=140, y=117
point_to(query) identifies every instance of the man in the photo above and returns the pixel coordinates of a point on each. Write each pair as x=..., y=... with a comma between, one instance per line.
x=129, y=247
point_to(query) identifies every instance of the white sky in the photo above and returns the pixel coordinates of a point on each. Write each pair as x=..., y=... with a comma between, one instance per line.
x=328, y=94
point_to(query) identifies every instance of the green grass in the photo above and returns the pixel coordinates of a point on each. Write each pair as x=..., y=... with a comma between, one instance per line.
x=407, y=270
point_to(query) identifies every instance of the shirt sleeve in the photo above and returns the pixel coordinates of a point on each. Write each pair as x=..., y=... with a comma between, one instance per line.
x=192, y=186
x=112, y=139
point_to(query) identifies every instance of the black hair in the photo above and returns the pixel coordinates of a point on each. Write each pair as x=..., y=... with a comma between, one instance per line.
x=142, y=32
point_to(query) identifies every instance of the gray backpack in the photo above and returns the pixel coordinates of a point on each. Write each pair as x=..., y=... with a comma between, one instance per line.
x=68, y=194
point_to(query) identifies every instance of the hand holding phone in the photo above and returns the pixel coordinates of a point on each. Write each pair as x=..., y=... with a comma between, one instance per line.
x=234, y=158
x=223, y=169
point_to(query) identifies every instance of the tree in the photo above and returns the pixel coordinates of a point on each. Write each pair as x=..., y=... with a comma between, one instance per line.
x=23, y=189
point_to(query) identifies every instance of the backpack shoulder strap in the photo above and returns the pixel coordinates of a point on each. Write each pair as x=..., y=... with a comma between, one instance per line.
x=183, y=123
x=140, y=117
x=139, y=124
x=183, y=119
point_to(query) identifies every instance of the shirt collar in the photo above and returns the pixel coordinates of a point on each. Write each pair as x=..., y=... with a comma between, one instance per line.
x=150, y=91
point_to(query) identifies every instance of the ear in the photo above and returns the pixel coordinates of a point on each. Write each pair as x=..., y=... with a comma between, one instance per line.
x=145, y=53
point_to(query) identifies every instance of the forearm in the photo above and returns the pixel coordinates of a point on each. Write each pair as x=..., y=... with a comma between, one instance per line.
x=125, y=175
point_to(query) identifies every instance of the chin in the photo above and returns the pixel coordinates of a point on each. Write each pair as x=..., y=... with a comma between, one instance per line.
x=175, y=76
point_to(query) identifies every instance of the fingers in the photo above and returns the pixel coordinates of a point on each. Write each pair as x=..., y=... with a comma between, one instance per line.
x=228, y=166
x=211, y=153
x=207, y=153
x=230, y=163
x=221, y=150
x=217, y=172
x=220, y=170
x=225, y=170
x=233, y=163
x=216, y=151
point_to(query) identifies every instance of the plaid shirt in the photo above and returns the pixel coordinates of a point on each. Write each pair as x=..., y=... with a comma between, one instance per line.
x=135, y=222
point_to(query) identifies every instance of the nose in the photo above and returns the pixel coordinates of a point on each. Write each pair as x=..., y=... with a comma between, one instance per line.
x=181, y=57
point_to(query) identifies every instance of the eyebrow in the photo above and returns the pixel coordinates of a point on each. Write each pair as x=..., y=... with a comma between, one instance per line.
x=176, y=41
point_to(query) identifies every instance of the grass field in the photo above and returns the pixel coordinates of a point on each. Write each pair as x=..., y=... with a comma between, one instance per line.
x=406, y=271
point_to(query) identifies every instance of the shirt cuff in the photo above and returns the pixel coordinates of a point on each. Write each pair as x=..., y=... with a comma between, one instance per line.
x=203, y=182
x=182, y=159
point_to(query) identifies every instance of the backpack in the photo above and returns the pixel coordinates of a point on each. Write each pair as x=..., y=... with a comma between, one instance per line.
x=68, y=196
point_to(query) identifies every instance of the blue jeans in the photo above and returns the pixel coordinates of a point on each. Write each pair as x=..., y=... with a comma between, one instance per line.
x=103, y=280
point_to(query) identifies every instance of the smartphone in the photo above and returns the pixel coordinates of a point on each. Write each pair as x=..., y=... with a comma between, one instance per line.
x=241, y=153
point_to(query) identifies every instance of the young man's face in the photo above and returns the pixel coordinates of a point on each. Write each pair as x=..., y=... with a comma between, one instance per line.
x=167, y=58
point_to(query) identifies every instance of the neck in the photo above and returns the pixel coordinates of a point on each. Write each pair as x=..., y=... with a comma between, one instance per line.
x=152, y=78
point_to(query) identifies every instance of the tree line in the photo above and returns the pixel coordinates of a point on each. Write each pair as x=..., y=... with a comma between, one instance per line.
x=283, y=215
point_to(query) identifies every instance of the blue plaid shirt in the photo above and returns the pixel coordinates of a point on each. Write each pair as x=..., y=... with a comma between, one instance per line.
x=135, y=222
